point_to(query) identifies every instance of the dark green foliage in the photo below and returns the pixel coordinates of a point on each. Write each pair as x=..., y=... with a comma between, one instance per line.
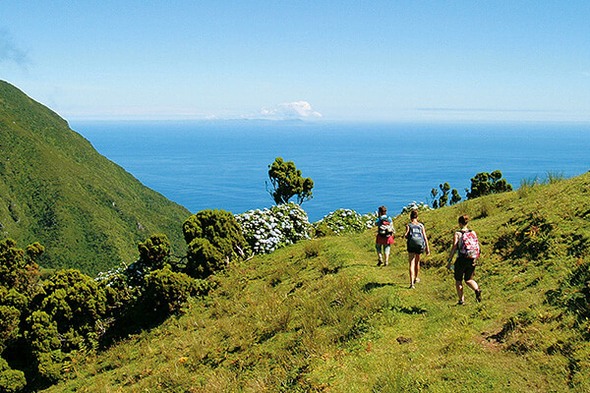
x=18, y=270
x=11, y=381
x=154, y=254
x=214, y=239
x=443, y=198
x=166, y=292
x=287, y=182
x=203, y=259
x=455, y=197
x=75, y=302
x=488, y=183
x=43, y=340
x=19, y=276
x=55, y=188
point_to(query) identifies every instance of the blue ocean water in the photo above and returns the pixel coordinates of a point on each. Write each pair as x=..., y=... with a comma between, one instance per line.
x=224, y=164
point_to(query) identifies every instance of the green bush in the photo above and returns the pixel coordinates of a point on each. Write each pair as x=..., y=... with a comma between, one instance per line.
x=218, y=230
x=166, y=292
x=154, y=254
x=11, y=381
x=485, y=183
x=203, y=259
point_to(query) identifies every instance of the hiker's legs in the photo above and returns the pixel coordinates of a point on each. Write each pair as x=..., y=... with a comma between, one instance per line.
x=411, y=267
x=379, y=249
x=417, y=268
x=472, y=284
x=470, y=272
x=459, y=287
x=386, y=251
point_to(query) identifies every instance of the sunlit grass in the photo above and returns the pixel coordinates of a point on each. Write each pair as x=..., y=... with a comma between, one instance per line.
x=320, y=316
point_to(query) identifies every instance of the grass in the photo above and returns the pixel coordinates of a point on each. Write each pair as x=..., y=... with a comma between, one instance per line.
x=320, y=316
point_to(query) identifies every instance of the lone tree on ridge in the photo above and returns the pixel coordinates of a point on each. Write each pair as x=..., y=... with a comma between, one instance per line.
x=287, y=182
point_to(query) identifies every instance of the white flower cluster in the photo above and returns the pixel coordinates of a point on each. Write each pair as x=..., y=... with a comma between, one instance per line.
x=347, y=221
x=111, y=278
x=268, y=229
x=415, y=206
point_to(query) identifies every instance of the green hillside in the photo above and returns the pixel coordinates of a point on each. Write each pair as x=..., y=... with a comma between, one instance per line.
x=320, y=316
x=55, y=188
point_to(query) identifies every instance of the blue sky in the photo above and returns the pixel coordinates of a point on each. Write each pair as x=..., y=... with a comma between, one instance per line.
x=322, y=60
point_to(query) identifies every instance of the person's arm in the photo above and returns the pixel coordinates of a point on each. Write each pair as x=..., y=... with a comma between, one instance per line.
x=453, y=249
x=425, y=240
x=407, y=231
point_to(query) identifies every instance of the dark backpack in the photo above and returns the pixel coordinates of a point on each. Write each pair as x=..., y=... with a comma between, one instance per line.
x=385, y=228
x=469, y=245
x=415, y=238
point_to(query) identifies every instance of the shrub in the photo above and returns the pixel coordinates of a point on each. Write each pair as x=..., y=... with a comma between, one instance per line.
x=203, y=259
x=218, y=230
x=154, y=254
x=269, y=229
x=344, y=221
x=166, y=292
x=485, y=183
x=11, y=381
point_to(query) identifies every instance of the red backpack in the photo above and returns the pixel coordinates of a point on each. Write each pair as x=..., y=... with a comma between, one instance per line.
x=469, y=245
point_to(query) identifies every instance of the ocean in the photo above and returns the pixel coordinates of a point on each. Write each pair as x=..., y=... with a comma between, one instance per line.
x=359, y=166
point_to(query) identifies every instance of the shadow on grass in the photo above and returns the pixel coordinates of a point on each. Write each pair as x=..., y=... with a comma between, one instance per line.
x=374, y=285
x=411, y=310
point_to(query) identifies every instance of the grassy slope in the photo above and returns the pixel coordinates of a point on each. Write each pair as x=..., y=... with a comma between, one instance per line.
x=55, y=188
x=320, y=316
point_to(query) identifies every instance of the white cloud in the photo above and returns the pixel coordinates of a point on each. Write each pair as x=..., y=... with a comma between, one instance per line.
x=290, y=110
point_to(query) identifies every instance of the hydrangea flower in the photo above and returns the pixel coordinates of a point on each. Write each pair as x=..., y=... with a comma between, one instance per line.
x=268, y=229
x=347, y=221
x=415, y=206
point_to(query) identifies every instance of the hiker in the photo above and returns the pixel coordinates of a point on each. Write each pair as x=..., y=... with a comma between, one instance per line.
x=385, y=236
x=417, y=243
x=466, y=244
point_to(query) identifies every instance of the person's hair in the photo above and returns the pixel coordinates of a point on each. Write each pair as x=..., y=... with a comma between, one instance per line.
x=413, y=214
x=382, y=210
x=464, y=219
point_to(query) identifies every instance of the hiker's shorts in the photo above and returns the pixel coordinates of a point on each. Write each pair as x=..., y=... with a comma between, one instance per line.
x=464, y=268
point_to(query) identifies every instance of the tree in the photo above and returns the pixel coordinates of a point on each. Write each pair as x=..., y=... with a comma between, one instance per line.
x=455, y=197
x=287, y=182
x=214, y=239
x=154, y=254
x=19, y=276
x=443, y=199
x=485, y=183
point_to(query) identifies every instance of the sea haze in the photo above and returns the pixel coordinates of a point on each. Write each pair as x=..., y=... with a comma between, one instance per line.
x=224, y=164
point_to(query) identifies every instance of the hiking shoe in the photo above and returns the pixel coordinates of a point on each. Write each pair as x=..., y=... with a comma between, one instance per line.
x=412, y=286
x=460, y=303
x=478, y=295
x=417, y=280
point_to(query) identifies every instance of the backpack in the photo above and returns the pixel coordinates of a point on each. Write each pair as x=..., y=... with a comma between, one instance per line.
x=385, y=227
x=415, y=238
x=469, y=245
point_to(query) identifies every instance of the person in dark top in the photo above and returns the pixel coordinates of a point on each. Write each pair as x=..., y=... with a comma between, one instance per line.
x=417, y=243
